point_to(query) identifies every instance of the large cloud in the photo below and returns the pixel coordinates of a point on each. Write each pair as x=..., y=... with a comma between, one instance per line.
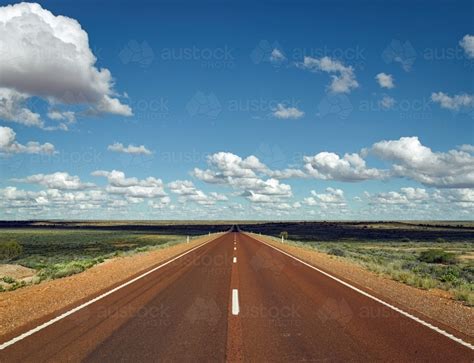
x=50, y=200
x=48, y=56
x=132, y=188
x=245, y=175
x=9, y=145
x=407, y=196
x=451, y=169
x=343, y=77
x=188, y=192
x=332, y=198
x=58, y=180
x=349, y=168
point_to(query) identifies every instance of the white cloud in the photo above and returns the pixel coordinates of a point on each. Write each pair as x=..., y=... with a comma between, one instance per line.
x=452, y=169
x=349, y=168
x=188, y=192
x=420, y=203
x=283, y=112
x=343, y=81
x=387, y=102
x=68, y=116
x=132, y=188
x=58, y=180
x=130, y=149
x=228, y=165
x=332, y=198
x=51, y=200
x=455, y=102
x=467, y=42
x=12, y=108
x=9, y=145
x=467, y=148
x=161, y=203
x=385, y=80
x=404, y=196
x=57, y=66
x=245, y=175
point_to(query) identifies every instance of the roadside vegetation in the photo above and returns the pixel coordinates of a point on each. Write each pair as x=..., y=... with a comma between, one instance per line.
x=442, y=265
x=52, y=254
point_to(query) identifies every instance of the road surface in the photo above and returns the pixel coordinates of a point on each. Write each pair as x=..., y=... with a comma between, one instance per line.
x=234, y=299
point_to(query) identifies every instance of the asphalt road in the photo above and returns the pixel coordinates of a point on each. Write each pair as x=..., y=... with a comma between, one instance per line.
x=235, y=299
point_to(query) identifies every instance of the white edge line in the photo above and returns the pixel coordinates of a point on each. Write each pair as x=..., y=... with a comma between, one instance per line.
x=72, y=311
x=235, y=302
x=408, y=315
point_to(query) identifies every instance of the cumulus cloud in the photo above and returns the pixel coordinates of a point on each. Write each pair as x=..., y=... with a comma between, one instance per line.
x=343, y=77
x=452, y=169
x=58, y=180
x=130, y=149
x=385, y=80
x=9, y=145
x=404, y=196
x=50, y=200
x=161, y=203
x=455, y=102
x=467, y=42
x=421, y=203
x=227, y=165
x=283, y=112
x=132, y=188
x=57, y=66
x=467, y=148
x=188, y=192
x=69, y=116
x=12, y=108
x=349, y=168
x=332, y=197
x=245, y=175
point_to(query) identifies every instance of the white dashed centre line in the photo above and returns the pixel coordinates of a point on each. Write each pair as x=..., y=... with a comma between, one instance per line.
x=235, y=302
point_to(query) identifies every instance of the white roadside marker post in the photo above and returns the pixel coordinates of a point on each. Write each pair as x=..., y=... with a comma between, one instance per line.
x=282, y=239
x=187, y=239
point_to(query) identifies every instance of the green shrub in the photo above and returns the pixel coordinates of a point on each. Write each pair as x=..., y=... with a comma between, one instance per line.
x=10, y=250
x=465, y=293
x=336, y=252
x=437, y=256
x=9, y=280
x=68, y=270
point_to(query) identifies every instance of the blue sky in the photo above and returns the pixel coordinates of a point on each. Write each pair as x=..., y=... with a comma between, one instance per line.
x=264, y=100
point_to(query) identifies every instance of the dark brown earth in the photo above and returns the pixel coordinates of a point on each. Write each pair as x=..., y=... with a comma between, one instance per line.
x=301, y=231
